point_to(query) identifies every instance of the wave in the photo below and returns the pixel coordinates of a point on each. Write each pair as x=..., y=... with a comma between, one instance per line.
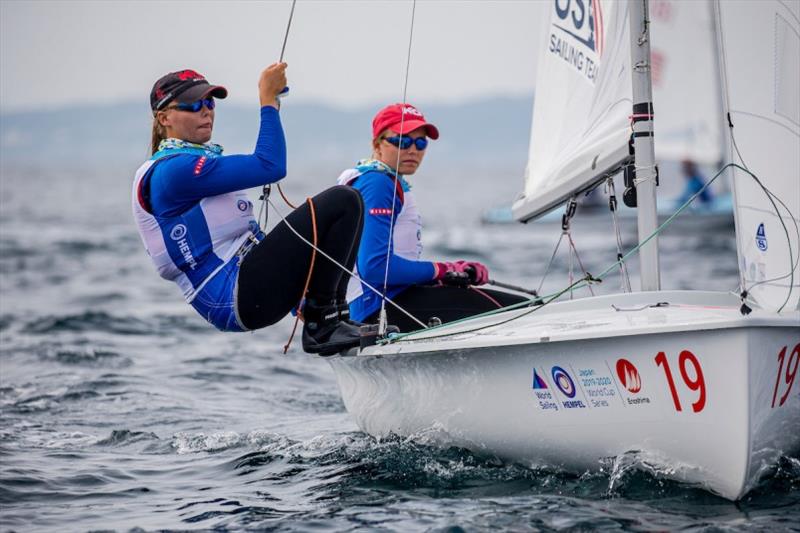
x=103, y=322
x=125, y=437
x=88, y=321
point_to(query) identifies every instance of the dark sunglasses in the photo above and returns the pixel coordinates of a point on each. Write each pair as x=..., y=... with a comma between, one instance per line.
x=404, y=142
x=194, y=107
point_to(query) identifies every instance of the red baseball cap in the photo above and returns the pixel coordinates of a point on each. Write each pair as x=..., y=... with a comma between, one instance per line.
x=392, y=116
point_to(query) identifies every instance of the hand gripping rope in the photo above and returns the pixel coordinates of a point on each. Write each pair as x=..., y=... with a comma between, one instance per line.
x=266, y=202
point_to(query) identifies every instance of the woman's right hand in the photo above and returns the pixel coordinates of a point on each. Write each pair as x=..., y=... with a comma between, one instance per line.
x=271, y=83
x=461, y=273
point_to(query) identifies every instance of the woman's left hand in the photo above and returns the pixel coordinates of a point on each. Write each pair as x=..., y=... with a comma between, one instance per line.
x=271, y=83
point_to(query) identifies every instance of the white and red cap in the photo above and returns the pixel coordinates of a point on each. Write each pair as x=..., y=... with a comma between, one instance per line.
x=401, y=118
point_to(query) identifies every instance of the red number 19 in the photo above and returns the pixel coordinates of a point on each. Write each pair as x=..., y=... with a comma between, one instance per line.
x=698, y=383
x=790, y=374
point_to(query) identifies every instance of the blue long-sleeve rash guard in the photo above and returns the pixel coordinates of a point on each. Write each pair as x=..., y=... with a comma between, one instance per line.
x=175, y=187
x=376, y=189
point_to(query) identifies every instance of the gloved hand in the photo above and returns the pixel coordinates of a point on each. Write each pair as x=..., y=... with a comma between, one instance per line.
x=461, y=273
x=478, y=273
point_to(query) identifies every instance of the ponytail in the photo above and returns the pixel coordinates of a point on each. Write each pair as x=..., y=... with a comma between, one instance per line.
x=158, y=135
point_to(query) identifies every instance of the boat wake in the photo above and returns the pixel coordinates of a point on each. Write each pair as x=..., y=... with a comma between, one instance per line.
x=356, y=462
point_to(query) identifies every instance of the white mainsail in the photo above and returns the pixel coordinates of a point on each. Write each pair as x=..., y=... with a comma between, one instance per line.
x=686, y=89
x=761, y=46
x=583, y=104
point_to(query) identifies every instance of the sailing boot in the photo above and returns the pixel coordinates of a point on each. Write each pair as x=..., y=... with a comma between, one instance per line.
x=323, y=332
x=344, y=313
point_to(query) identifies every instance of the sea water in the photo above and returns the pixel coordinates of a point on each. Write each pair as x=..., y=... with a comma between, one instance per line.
x=120, y=409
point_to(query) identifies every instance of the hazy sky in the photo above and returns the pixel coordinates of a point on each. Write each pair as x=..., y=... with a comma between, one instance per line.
x=341, y=52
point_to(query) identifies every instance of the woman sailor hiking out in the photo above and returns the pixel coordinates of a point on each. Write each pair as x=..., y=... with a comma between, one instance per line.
x=425, y=289
x=198, y=227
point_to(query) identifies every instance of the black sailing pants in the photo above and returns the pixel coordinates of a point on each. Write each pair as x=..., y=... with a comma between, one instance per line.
x=273, y=273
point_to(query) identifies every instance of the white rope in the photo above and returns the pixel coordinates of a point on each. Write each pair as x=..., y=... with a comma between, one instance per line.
x=650, y=170
x=382, y=320
x=344, y=268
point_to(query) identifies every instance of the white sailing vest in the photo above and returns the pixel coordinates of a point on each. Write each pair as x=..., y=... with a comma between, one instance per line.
x=406, y=236
x=192, y=247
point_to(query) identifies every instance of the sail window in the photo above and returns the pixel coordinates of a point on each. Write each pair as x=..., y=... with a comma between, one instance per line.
x=787, y=76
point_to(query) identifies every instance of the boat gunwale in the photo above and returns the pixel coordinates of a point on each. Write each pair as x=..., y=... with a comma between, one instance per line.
x=726, y=303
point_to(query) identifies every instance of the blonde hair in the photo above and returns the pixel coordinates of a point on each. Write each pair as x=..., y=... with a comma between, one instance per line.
x=377, y=141
x=159, y=134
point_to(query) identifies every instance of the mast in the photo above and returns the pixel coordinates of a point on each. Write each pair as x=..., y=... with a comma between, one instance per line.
x=722, y=122
x=644, y=158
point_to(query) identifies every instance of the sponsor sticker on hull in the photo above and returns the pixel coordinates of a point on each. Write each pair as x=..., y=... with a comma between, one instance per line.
x=631, y=382
x=598, y=387
x=545, y=398
x=565, y=384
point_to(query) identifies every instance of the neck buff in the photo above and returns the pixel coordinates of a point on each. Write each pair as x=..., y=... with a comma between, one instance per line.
x=173, y=146
x=367, y=165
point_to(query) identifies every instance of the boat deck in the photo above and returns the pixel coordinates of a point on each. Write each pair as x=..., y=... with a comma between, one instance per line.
x=616, y=315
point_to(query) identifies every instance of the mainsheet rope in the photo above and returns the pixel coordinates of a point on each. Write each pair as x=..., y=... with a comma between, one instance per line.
x=341, y=266
x=266, y=202
x=304, y=294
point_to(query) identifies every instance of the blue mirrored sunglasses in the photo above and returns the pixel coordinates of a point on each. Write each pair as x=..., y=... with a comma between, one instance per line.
x=404, y=142
x=194, y=107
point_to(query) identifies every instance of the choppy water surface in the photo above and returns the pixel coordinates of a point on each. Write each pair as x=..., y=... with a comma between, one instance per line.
x=120, y=408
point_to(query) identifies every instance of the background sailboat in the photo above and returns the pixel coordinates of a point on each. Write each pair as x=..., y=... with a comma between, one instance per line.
x=685, y=82
x=686, y=381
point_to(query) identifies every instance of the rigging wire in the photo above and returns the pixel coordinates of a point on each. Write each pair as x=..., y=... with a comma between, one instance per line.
x=571, y=207
x=770, y=195
x=266, y=203
x=382, y=320
x=625, y=280
x=267, y=189
x=286, y=35
x=588, y=278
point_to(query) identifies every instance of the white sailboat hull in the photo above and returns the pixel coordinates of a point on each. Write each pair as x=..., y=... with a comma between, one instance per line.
x=580, y=382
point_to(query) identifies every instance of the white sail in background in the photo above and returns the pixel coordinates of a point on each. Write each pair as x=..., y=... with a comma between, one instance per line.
x=686, y=89
x=581, y=112
x=761, y=47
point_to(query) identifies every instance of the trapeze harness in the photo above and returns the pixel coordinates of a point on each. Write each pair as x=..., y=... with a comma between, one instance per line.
x=375, y=181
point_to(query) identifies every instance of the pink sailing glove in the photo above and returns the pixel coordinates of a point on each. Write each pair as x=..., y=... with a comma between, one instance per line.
x=478, y=273
x=461, y=273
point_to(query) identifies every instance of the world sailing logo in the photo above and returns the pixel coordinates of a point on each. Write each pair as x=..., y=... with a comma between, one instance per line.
x=538, y=383
x=577, y=35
